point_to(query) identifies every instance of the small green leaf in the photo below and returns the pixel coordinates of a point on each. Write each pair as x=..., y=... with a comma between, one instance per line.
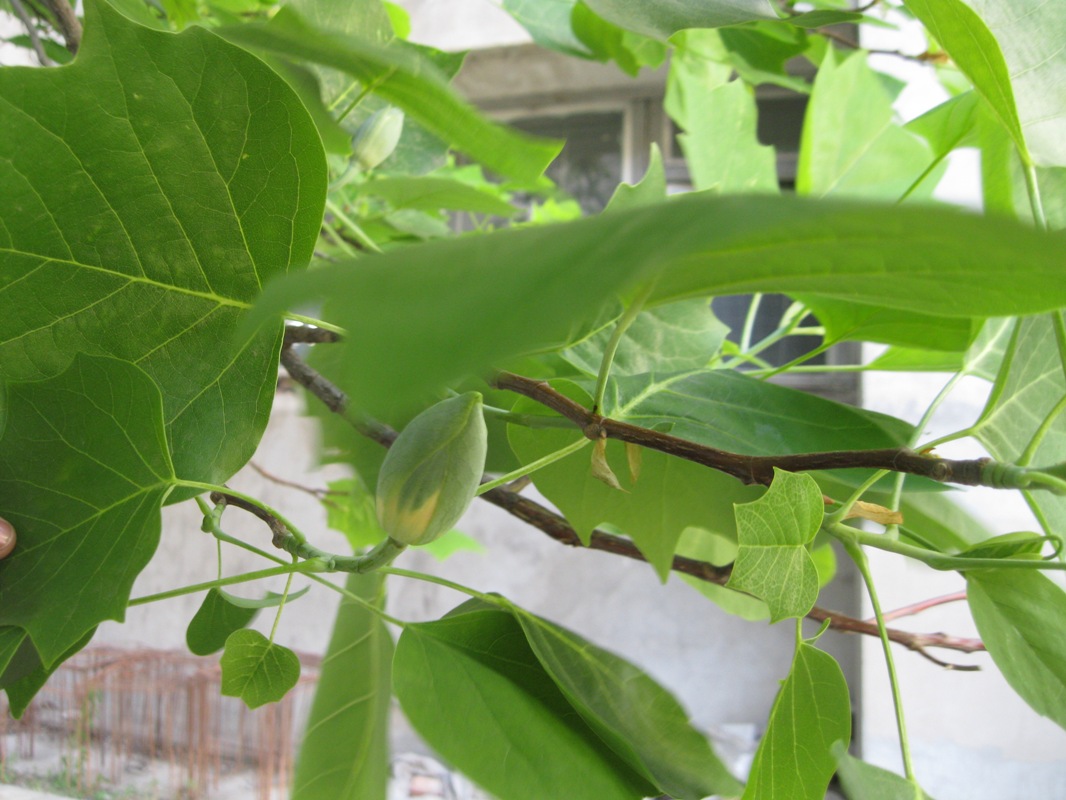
x=812, y=711
x=1021, y=544
x=451, y=543
x=213, y=622
x=705, y=545
x=635, y=716
x=269, y=600
x=647, y=191
x=473, y=689
x=1018, y=614
x=773, y=562
x=862, y=781
x=344, y=754
x=256, y=670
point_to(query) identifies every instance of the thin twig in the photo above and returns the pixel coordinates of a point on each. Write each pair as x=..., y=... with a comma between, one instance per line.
x=317, y=492
x=917, y=608
x=560, y=530
x=67, y=22
x=31, y=31
x=746, y=468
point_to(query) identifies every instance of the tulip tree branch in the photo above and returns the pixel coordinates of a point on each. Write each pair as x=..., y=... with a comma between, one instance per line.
x=752, y=469
x=556, y=527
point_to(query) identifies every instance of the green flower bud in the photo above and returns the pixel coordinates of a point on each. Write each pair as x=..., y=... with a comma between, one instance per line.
x=432, y=470
x=377, y=137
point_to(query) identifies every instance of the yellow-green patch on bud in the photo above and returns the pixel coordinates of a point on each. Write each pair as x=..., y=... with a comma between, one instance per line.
x=432, y=470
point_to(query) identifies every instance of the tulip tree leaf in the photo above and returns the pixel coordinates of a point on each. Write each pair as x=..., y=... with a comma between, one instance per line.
x=257, y=670
x=213, y=622
x=1013, y=54
x=1026, y=403
x=148, y=191
x=930, y=260
x=345, y=750
x=878, y=159
x=635, y=716
x=716, y=408
x=473, y=688
x=812, y=711
x=671, y=338
x=84, y=468
x=862, y=781
x=773, y=562
x=1017, y=613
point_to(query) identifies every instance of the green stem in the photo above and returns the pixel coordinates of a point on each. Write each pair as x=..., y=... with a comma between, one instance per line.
x=427, y=578
x=318, y=323
x=286, y=569
x=338, y=240
x=533, y=466
x=222, y=536
x=1032, y=186
x=527, y=420
x=749, y=321
x=353, y=227
x=859, y=557
x=281, y=607
x=377, y=557
x=937, y=561
x=616, y=339
x=941, y=396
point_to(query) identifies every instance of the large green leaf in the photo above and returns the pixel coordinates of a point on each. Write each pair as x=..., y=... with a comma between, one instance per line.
x=84, y=468
x=671, y=338
x=664, y=19
x=959, y=29
x=1013, y=54
x=877, y=159
x=148, y=191
x=718, y=119
x=475, y=691
x=930, y=260
x=345, y=752
x=635, y=716
x=399, y=75
x=716, y=408
x=1025, y=411
x=773, y=562
x=812, y=712
x=1019, y=615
